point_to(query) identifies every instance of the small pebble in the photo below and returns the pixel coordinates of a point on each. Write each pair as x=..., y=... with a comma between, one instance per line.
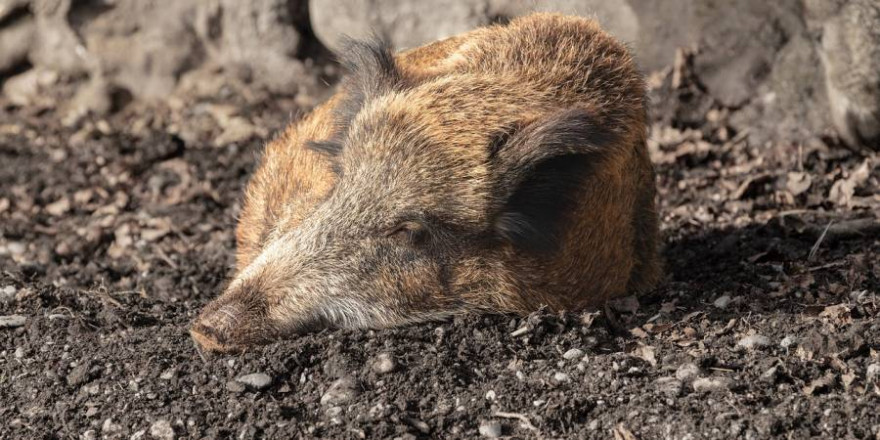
x=490, y=395
x=490, y=429
x=873, y=372
x=12, y=321
x=722, y=301
x=334, y=411
x=420, y=425
x=7, y=293
x=770, y=375
x=384, y=363
x=109, y=428
x=687, y=372
x=574, y=353
x=560, y=377
x=340, y=391
x=234, y=386
x=787, y=342
x=256, y=381
x=711, y=384
x=161, y=429
x=752, y=342
x=669, y=385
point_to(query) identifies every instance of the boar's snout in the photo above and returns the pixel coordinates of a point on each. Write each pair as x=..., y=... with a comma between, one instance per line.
x=229, y=324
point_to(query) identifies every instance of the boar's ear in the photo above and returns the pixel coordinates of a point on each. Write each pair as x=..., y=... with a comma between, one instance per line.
x=371, y=71
x=540, y=167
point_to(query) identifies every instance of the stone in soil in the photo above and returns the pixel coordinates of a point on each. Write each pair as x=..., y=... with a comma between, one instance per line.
x=12, y=321
x=255, y=381
x=162, y=430
x=384, y=363
x=490, y=429
x=752, y=342
x=342, y=390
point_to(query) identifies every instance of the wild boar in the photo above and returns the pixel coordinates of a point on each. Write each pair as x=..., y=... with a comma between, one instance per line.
x=499, y=171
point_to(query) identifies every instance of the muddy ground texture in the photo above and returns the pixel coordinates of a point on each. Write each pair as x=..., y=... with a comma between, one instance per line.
x=115, y=232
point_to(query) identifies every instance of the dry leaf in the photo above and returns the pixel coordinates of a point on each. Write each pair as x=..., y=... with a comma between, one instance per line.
x=638, y=332
x=621, y=432
x=842, y=190
x=59, y=207
x=839, y=314
x=646, y=353
x=798, y=183
x=820, y=384
x=587, y=318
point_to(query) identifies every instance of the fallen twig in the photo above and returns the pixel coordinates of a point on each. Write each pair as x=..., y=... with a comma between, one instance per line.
x=526, y=423
x=818, y=242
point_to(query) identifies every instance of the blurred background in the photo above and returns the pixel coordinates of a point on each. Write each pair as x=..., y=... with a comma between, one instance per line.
x=795, y=70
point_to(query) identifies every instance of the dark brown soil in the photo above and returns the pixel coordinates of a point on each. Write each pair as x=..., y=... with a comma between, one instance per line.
x=115, y=233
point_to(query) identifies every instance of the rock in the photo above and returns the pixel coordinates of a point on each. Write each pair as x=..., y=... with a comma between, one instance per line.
x=687, y=372
x=110, y=428
x=669, y=385
x=490, y=429
x=722, y=301
x=850, y=56
x=7, y=293
x=162, y=430
x=770, y=375
x=168, y=374
x=79, y=374
x=561, y=377
x=787, y=342
x=711, y=384
x=752, y=342
x=7, y=7
x=259, y=38
x=29, y=88
x=342, y=390
x=872, y=372
x=234, y=387
x=574, y=353
x=255, y=381
x=236, y=130
x=93, y=98
x=16, y=40
x=12, y=321
x=410, y=23
x=384, y=363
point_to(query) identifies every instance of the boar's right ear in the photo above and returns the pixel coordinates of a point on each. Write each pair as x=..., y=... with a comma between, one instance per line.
x=540, y=167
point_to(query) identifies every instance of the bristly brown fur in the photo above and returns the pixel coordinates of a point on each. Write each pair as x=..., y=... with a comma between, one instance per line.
x=500, y=170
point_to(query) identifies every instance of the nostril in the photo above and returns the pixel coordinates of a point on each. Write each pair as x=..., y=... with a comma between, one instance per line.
x=207, y=337
x=211, y=330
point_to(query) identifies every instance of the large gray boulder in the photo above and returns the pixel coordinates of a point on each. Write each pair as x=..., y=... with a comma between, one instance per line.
x=146, y=47
x=787, y=69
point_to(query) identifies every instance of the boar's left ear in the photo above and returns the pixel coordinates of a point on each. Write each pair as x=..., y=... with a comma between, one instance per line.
x=540, y=167
x=371, y=71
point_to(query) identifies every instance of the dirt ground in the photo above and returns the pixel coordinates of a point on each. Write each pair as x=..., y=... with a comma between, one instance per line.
x=116, y=232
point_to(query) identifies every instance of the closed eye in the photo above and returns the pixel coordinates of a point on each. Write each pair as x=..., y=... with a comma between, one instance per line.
x=411, y=231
